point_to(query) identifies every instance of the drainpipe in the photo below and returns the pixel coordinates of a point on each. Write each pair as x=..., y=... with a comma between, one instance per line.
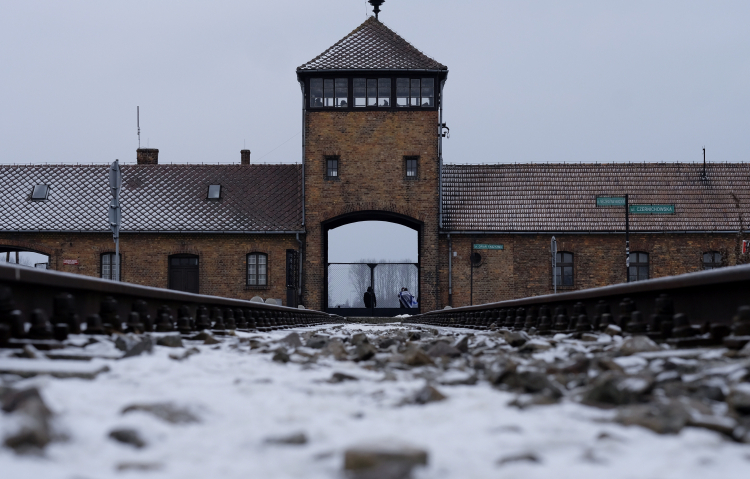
x=450, y=271
x=440, y=159
x=302, y=87
x=299, y=286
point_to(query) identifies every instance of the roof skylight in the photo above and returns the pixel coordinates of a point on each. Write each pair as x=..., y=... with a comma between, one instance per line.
x=40, y=192
x=214, y=192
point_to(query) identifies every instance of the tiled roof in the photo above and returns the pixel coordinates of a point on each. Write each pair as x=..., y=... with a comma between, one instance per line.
x=154, y=198
x=372, y=46
x=562, y=197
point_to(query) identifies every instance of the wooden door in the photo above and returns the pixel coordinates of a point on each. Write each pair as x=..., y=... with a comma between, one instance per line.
x=183, y=273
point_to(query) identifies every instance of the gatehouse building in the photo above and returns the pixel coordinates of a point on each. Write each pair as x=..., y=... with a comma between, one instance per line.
x=372, y=150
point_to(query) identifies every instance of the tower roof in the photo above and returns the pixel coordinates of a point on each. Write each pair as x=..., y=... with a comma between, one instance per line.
x=372, y=46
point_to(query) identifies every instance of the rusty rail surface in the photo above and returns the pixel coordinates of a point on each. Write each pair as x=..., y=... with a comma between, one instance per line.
x=38, y=305
x=703, y=308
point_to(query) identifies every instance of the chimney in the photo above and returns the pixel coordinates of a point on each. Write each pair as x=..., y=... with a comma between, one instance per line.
x=245, y=157
x=147, y=156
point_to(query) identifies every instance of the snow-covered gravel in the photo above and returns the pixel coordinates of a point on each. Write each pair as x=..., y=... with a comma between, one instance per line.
x=242, y=398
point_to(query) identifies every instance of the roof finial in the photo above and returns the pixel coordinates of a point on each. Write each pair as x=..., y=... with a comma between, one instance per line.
x=376, y=4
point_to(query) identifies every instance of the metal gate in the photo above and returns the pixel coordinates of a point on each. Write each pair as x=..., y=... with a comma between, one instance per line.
x=348, y=282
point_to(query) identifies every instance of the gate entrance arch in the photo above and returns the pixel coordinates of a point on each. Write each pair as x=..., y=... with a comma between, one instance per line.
x=350, y=280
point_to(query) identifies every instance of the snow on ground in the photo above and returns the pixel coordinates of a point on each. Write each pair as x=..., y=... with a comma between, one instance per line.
x=242, y=398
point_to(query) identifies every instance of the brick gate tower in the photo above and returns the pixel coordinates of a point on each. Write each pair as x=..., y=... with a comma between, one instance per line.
x=371, y=148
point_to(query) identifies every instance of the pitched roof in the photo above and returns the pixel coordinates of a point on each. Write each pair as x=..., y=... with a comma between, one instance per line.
x=372, y=46
x=254, y=198
x=562, y=197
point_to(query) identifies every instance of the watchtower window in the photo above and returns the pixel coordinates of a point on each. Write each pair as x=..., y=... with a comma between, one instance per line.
x=329, y=92
x=711, y=260
x=415, y=92
x=332, y=167
x=372, y=92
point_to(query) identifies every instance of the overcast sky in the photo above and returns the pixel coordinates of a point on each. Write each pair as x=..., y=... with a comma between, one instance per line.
x=529, y=80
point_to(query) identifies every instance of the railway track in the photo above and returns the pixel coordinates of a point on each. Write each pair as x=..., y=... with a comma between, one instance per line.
x=691, y=310
x=43, y=307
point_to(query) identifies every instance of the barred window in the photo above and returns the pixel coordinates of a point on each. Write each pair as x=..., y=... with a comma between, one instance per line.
x=257, y=269
x=711, y=260
x=415, y=92
x=108, y=267
x=638, y=267
x=564, y=269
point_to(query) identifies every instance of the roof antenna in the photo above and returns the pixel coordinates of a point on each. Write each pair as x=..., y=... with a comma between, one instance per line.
x=376, y=4
x=138, y=120
x=704, y=163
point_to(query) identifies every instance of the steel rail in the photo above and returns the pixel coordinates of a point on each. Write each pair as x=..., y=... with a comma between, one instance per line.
x=709, y=300
x=28, y=294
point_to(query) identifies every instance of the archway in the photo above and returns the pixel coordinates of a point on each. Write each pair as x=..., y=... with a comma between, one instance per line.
x=371, y=249
x=24, y=257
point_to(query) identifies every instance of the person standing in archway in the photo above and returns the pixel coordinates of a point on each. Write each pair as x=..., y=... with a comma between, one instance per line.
x=370, y=299
x=406, y=299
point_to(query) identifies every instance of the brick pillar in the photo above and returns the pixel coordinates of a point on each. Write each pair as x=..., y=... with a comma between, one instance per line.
x=147, y=156
x=245, y=157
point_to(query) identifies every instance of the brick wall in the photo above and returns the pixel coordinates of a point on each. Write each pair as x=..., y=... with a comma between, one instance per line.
x=371, y=147
x=524, y=267
x=222, y=258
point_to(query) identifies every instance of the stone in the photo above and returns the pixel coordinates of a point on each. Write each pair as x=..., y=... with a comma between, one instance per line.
x=523, y=457
x=171, y=341
x=281, y=356
x=462, y=344
x=256, y=299
x=613, y=330
x=33, y=429
x=165, y=411
x=441, y=349
x=615, y=388
x=364, y=351
x=341, y=377
x=661, y=418
x=428, y=394
x=454, y=377
x=335, y=348
x=739, y=399
x=532, y=382
x=387, y=343
x=137, y=347
x=30, y=352
x=745, y=351
x=292, y=340
x=317, y=342
x=206, y=337
x=128, y=436
x=296, y=439
x=638, y=344
x=383, y=460
x=416, y=357
x=536, y=345
x=180, y=356
x=498, y=370
x=515, y=338
x=138, y=466
x=358, y=339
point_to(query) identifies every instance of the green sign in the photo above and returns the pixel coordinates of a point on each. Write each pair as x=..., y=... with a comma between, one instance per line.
x=610, y=201
x=652, y=209
x=488, y=246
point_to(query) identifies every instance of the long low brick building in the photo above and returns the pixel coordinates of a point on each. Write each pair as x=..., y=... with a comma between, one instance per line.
x=372, y=150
